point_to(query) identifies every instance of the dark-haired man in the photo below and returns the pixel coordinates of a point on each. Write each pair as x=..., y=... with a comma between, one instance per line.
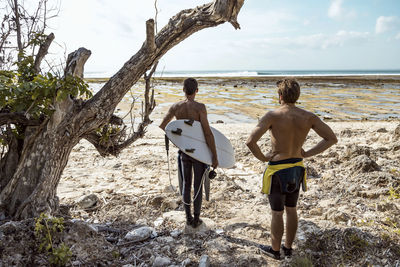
x=191, y=109
x=289, y=127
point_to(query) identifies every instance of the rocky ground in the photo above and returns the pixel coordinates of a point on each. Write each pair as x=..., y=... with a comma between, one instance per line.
x=123, y=211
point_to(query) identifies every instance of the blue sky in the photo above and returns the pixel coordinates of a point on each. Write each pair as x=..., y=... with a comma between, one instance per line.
x=274, y=35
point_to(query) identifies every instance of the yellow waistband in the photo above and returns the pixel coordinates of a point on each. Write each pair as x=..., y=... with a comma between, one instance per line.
x=271, y=169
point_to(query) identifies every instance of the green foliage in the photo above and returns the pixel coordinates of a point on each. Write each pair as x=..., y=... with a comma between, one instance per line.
x=24, y=91
x=46, y=230
x=61, y=255
x=116, y=254
x=394, y=193
x=107, y=131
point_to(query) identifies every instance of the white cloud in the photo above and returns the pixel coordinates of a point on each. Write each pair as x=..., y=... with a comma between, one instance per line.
x=342, y=38
x=385, y=24
x=313, y=41
x=337, y=11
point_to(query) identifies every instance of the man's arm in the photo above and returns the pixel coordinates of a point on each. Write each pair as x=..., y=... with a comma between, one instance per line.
x=208, y=135
x=323, y=130
x=263, y=125
x=168, y=117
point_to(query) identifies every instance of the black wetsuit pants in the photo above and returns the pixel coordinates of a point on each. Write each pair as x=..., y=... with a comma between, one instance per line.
x=185, y=166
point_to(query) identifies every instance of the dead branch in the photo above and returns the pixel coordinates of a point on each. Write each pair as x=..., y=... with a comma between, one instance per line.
x=43, y=50
x=17, y=118
x=179, y=28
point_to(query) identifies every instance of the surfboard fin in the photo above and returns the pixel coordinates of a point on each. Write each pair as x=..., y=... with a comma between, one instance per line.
x=189, y=122
x=190, y=150
x=178, y=131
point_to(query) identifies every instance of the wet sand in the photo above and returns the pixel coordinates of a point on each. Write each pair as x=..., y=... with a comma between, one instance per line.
x=245, y=99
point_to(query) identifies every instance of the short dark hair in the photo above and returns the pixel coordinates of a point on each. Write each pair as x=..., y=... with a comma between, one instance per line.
x=289, y=89
x=190, y=86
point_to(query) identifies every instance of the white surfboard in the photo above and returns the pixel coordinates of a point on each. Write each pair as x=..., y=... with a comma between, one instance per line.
x=188, y=136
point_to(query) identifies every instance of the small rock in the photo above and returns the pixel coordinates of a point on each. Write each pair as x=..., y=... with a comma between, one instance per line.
x=219, y=231
x=386, y=206
x=161, y=261
x=186, y=262
x=127, y=265
x=219, y=121
x=169, y=189
x=338, y=216
x=397, y=131
x=204, y=261
x=9, y=227
x=2, y=216
x=354, y=151
x=117, y=166
x=176, y=233
x=316, y=211
x=352, y=188
x=140, y=234
x=1, y=235
x=88, y=201
x=156, y=201
x=346, y=133
x=382, y=130
x=364, y=164
x=311, y=172
x=169, y=205
x=372, y=194
x=141, y=221
x=159, y=221
x=165, y=239
x=396, y=146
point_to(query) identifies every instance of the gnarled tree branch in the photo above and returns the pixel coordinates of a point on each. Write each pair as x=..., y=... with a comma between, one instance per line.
x=17, y=118
x=76, y=62
x=99, y=109
x=43, y=50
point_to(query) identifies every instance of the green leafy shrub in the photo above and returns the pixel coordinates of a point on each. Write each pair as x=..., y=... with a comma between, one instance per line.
x=47, y=230
x=23, y=90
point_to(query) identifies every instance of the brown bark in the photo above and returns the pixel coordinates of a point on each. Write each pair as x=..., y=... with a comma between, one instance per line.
x=32, y=188
x=43, y=50
x=17, y=118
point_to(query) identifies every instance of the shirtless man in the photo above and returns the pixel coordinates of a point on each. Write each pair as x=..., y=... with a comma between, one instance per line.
x=289, y=127
x=190, y=109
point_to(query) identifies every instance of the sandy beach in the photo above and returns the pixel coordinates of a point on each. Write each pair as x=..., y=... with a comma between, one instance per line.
x=350, y=215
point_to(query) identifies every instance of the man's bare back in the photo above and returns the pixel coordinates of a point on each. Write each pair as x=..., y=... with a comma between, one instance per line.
x=289, y=127
x=187, y=109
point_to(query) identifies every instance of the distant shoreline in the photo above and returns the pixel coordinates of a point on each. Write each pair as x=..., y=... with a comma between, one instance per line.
x=306, y=78
x=259, y=73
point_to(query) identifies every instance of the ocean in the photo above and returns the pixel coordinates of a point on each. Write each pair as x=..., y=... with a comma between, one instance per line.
x=258, y=73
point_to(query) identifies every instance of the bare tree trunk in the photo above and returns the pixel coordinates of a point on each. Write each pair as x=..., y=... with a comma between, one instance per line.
x=32, y=188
